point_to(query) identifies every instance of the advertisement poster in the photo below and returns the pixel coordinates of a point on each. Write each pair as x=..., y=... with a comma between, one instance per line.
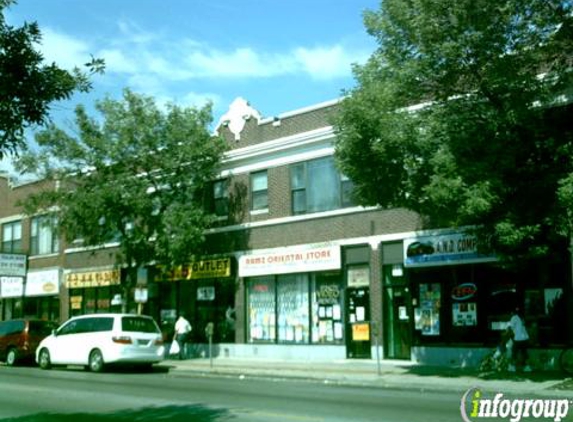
x=429, y=313
x=464, y=314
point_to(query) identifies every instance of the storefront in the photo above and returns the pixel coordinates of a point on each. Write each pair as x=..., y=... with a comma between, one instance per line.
x=96, y=290
x=42, y=294
x=203, y=291
x=458, y=301
x=308, y=295
x=12, y=279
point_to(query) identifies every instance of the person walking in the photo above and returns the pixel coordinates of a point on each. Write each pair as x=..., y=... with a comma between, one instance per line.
x=520, y=336
x=182, y=330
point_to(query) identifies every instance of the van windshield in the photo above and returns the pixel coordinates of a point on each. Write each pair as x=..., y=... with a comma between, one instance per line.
x=139, y=324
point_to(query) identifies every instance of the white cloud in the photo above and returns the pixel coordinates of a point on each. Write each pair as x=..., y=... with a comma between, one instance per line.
x=327, y=62
x=117, y=61
x=68, y=52
x=242, y=62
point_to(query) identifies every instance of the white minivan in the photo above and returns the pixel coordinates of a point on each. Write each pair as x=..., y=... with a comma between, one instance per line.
x=97, y=340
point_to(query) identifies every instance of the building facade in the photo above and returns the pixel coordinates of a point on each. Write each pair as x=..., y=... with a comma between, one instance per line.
x=294, y=268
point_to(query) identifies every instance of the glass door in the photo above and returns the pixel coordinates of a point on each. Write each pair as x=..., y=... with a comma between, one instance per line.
x=397, y=323
x=358, y=323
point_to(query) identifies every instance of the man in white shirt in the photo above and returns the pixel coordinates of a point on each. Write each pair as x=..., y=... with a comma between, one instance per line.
x=182, y=331
x=520, y=342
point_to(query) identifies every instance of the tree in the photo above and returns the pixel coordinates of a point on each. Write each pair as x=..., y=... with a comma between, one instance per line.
x=28, y=85
x=460, y=116
x=137, y=176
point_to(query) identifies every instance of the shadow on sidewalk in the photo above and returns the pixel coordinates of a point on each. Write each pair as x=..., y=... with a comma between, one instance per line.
x=451, y=372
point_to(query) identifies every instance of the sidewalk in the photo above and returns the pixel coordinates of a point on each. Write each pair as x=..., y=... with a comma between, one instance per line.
x=388, y=374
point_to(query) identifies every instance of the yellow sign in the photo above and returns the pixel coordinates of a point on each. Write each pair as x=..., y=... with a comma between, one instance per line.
x=92, y=279
x=361, y=332
x=208, y=268
x=76, y=302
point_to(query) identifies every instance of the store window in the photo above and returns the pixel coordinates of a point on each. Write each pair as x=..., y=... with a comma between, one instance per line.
x=292, y=306
x=261, y=308
x=43, y=238
x=295, y=308
x=12, y=237
x=317, y=185
x=259, y=191
x=327, y=326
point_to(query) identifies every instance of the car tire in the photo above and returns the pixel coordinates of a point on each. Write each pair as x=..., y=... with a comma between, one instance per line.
x=96, y=363
x=12, y=357
x=44, y=359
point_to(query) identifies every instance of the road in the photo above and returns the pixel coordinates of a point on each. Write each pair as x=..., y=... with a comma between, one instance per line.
x=28, y=394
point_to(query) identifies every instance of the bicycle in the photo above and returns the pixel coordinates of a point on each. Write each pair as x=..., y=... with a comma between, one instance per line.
x=495, y=361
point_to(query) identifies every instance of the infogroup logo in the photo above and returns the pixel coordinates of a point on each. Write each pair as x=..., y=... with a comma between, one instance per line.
x=475, y=406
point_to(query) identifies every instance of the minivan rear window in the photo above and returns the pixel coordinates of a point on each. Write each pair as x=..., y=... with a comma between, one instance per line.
x=139, y=324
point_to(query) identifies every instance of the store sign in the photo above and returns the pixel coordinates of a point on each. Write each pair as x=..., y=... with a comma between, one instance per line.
x=12, y=264
x=464, y=291
x=207, y=268
x=11, y=287
x=82, y=280
x=140, y=295
x=450, y=249
x=206, y=293
x=289, y=260
x=43, y=283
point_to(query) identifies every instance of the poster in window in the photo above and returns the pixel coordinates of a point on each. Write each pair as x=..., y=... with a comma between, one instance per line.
x=464, y=314
x=429, y=313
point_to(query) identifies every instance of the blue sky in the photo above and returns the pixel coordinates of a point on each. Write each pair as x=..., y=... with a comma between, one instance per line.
x=278, y=55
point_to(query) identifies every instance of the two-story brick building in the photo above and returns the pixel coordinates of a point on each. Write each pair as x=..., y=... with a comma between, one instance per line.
x=294, y=268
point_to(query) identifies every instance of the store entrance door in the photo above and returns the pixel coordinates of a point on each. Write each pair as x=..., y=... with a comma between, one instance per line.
x=397, y=323
x=358, y=323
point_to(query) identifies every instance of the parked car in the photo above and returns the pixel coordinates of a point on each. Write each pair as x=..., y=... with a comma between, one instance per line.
x=20, y=337
x=95, y=341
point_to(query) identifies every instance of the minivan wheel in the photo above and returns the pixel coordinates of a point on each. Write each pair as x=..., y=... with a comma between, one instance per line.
x=96, y=362
x=44, y=359
x=12, y=357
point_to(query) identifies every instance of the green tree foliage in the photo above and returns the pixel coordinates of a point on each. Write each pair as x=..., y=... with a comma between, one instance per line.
x=27, y=84
x=138, y=176
x=461, y=115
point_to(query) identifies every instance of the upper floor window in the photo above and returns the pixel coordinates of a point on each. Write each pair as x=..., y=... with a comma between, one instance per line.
x=44, y=238
x=259, y=191
x=317, y=185
x=12, y=237
x=221, y=197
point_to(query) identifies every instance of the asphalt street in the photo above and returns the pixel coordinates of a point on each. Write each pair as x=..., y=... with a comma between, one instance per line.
x=29, y=394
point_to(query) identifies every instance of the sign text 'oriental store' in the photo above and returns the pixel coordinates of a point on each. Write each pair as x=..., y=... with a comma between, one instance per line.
x=289, y=260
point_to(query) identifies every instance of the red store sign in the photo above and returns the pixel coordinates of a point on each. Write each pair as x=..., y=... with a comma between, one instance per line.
x=464, y=291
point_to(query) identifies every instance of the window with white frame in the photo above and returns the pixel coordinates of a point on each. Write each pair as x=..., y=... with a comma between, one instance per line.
x=43, y=236
x=259, y=191
x=12, y=237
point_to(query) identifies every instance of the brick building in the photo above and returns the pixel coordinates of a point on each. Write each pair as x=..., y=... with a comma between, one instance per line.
x=293, y=267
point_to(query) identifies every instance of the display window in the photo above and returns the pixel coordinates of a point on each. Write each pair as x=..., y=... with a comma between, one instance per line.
x=327, y=308
x=261, y=309
x=295, y=308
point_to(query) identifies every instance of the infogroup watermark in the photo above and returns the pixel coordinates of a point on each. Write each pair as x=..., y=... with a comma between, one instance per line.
x=476, y=406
